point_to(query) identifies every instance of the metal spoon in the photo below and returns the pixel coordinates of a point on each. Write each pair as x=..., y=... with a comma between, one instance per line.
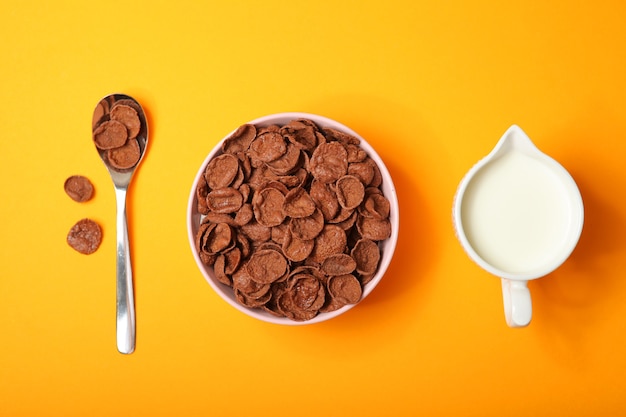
x=121, y=163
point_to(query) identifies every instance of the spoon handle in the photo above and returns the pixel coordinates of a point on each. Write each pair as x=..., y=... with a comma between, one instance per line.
x=125, y=297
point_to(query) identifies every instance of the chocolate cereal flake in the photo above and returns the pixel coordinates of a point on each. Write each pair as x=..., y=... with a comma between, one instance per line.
x=266, y=266
x=224, y=200
x=240, y=140
x=126, y=156
x=268, y=147
x=373, y=228
x=325, y=199
x=331, y=240
x=345, y=288
x=101, y=110
x=298, y=203
x=221, y=171
x=329, y=162
x=302, y=133
x=338, y=264
x=350, y=192
x=286, y=163
x=375, y=205
x=128, y=117
x=366, y=254
x=110, y=134
x=79, y=188
x=307, y=228
x=268, y=206
x=85, y=236
x=296, y=249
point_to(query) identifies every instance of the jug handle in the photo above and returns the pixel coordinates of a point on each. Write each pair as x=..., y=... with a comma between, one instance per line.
x=517, y=303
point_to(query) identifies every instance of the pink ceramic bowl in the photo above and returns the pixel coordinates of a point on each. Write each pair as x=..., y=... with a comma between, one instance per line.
x=387, y=246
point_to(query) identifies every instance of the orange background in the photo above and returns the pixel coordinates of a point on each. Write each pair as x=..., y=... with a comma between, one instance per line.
x=431, y=85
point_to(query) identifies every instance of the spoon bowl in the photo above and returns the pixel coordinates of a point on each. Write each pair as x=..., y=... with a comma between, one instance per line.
x=120, y=134
x=121, y=176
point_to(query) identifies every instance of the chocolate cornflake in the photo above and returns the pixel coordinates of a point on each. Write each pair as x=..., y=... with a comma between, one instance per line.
x=125, y=156
x=292, y=217
x=338, y=264
x=350, y=192
x=362, y=170
x=218, y=239
x=375, y=205
x=79, y=188
x=128, y=117
x=240, y=140
x=296, y=249
x=110, y=134
x=287, y=162
x=366, y=255
x=85, y=236
x=244, y=215
x=331, y=240
x=342, y=137
x=267, y=147
x=100, y=113
x=345, y=289
x=248, y=291
x=373, y=228
x=221, y=171
x=302, y=133
x=307, y=228
x=329, y=162
x=202, y=190
x=267, y=205
x=298, y=203
x=266, y=266
x=325, y=199
x=307, y=293
x=377, y=178
x=224, y=200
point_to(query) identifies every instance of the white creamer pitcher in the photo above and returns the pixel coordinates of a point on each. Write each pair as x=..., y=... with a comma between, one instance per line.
x=518, y=214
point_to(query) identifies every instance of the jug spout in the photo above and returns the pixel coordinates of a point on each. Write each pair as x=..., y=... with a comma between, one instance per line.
x=514, y=139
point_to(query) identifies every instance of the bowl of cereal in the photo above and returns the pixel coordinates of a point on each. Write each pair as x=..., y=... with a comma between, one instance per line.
x=293, y=218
